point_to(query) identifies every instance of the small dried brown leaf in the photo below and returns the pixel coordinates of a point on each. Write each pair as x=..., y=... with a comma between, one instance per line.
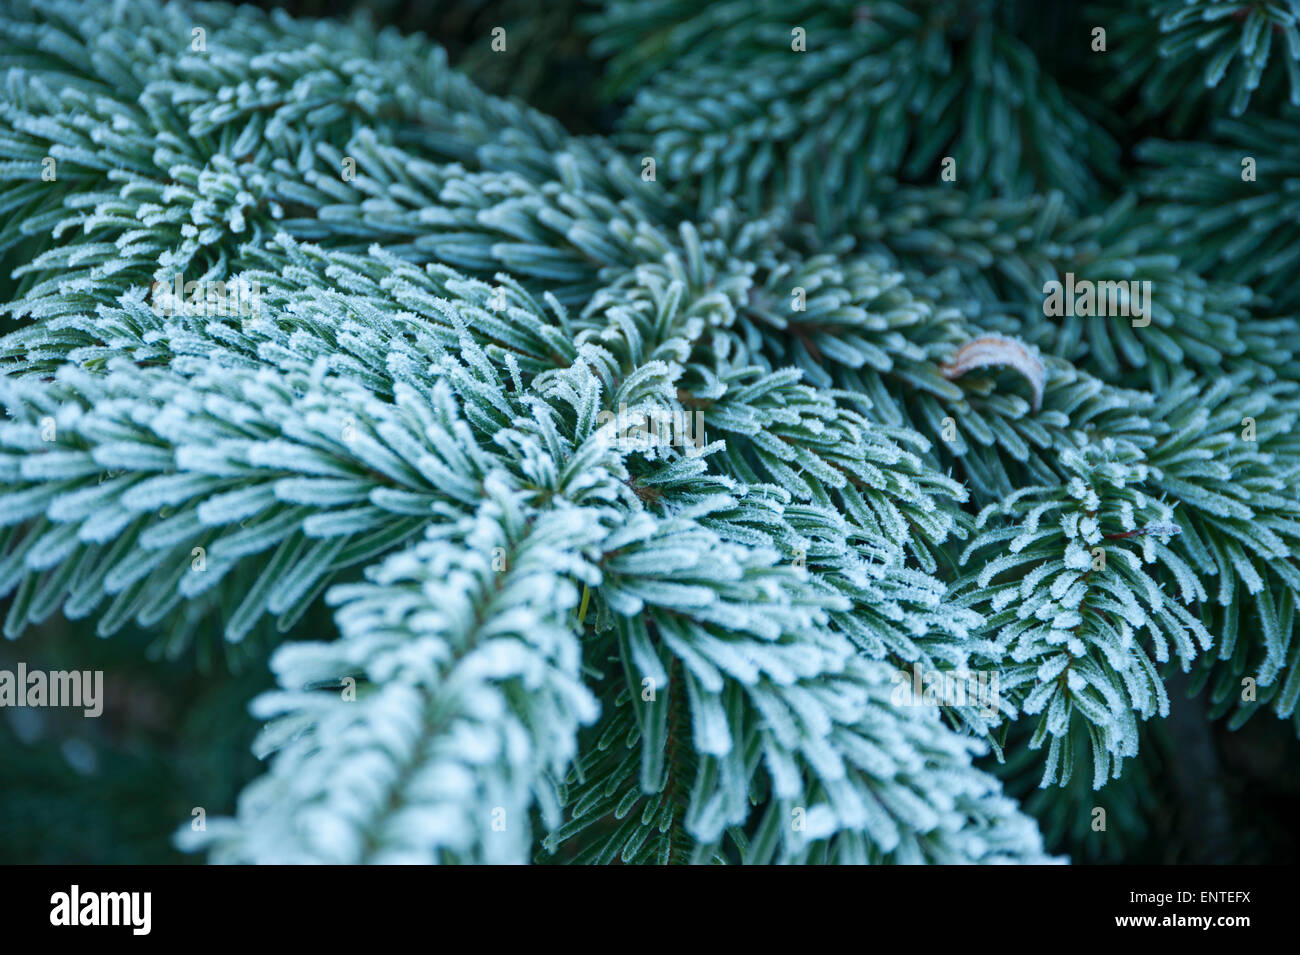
x=999, y=351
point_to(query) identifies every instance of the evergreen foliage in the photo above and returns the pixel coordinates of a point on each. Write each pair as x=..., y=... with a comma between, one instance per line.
x=503, y=631
x=1224, y=51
